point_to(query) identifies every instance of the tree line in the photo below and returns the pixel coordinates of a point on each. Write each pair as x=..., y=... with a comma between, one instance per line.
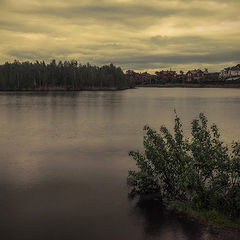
x=67, y=75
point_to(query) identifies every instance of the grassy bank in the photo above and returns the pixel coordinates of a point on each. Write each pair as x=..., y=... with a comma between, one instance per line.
x=211, y=217
x=58, y=89
x=189, y=85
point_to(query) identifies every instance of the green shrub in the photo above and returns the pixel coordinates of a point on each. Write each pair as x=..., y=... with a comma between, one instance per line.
x=199, y=170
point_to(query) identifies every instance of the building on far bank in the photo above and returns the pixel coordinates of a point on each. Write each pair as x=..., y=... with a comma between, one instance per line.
x=166, y=75
x=142, y=78
x=230, y=73
x=196, y=75
x=172, y=77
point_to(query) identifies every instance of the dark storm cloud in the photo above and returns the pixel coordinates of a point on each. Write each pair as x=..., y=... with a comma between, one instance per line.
x=180, y=58
x=123, y=15
x=189, y=44
x=164, y=40
x=138, y=59
x=127, y=14
x=131, y=33
x=39, y=53
x=26, y=27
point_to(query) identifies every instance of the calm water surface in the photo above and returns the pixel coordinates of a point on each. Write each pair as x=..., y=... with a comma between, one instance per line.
x=64, y=161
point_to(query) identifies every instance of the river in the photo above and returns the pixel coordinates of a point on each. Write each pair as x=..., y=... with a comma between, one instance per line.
x=64, y=161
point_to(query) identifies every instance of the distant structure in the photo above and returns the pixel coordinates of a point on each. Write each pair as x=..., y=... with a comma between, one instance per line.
x=142, y=78
x=172, y=77
x=196, y=75
x=166, y=75
x=230, y=73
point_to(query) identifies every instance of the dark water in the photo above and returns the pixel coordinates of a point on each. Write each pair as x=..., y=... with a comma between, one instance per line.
x=64, y=161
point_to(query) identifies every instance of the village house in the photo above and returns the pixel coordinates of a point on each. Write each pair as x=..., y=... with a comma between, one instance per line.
x=166, y=75
x=148, y=78
x=230, y=73
x=142, y=78
x=196, y=75
x=169, y=76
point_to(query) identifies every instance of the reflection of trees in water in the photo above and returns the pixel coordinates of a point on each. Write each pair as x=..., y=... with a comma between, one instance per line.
x=153, y=213
x=160, y=223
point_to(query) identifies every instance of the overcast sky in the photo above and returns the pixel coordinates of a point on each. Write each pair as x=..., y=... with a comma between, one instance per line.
x=133, y=34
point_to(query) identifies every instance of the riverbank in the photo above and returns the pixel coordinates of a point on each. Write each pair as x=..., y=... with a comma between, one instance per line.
x=191, y=85
x=220, y=225
x=62, y=89
x=210, y=217
x=215, y=225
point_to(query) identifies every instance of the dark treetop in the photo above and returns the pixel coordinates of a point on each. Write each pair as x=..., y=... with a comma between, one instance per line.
x=68, y=75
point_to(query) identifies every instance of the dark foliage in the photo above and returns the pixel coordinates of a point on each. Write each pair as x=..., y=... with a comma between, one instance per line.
x=200, y=171
x=68, y=75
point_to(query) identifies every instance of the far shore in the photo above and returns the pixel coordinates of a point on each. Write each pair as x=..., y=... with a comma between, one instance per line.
x=61, y=89
x=167, y=85
x=192, y=85
x=225, y=229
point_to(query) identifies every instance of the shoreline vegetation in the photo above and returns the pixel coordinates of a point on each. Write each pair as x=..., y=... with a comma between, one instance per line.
x=220, y=225
x=206, y=217
x=73, y=76
x=192, y=85
x=217, y=224
x=197, y=176
x=63, y=89
x=61, y=76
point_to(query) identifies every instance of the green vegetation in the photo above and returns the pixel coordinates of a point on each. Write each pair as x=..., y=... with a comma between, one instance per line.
x=61, y=76
x=212, y=217
x=200, y=174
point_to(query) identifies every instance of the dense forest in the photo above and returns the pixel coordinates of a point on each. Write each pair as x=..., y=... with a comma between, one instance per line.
x=67, y=75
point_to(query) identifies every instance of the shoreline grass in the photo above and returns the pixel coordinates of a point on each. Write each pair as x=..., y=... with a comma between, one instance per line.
x=209, y=217
x=190, y=85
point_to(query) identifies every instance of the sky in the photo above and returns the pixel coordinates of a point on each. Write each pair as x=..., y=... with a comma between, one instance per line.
x=143, y=35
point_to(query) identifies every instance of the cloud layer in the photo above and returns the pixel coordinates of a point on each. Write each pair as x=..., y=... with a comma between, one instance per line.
x=134, y=34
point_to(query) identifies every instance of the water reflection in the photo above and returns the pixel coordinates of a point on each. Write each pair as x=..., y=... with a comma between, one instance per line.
x=64, y=161
x=161, y=223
